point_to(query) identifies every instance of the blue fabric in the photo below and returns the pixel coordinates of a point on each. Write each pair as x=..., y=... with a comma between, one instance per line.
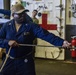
x=19, y=67
x=26, y=34
x=5, y=12
x=8, y=13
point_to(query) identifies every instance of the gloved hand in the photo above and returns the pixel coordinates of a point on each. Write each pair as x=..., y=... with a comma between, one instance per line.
x=66, y=44
x=13, y=43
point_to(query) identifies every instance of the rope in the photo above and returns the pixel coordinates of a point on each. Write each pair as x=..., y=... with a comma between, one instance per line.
x=40, y=45
x=46, y=46
x=7, y=55
x=5, y=59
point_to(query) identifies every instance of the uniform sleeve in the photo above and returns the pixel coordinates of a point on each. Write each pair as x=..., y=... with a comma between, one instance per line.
x=5, y=12
x=43, y=34
x=3, y=40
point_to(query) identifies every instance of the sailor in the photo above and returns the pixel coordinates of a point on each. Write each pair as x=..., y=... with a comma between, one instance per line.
x=19, y=31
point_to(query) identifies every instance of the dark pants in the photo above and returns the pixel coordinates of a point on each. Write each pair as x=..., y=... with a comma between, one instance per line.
x=19, y=67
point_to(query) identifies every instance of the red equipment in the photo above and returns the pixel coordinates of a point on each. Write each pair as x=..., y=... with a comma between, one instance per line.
x=73, y=51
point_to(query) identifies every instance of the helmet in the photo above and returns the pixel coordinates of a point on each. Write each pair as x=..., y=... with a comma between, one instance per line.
x=17, y=8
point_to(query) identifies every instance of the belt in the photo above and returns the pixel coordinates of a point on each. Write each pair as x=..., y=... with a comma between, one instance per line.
x=30, y=53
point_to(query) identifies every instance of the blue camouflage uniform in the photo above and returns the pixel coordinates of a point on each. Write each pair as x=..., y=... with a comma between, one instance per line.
x=23, y=63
